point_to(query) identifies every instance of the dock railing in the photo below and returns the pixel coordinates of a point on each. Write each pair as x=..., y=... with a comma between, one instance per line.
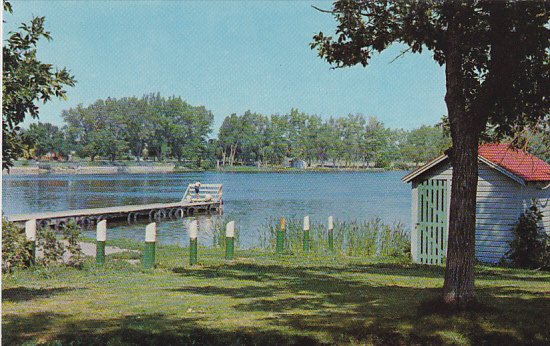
x=207, y=193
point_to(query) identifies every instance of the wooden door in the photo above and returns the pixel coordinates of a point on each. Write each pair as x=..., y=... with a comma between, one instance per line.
x=432, y=221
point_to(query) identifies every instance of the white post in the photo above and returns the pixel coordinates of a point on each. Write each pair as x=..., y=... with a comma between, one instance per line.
x=101, y=231
x=151, y=233
x=330, y=223
x=193, y=246
x=30, y=233
x=193, y=229
x=150, y=243
x=30, y=230
x=306, y=223
x=230, y=229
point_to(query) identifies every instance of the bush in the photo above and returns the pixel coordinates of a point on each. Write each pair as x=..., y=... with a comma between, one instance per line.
x=531, y=245
x=16, y=249
x=53, y=249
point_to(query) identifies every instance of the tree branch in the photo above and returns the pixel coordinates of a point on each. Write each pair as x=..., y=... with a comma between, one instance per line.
x=321, y=10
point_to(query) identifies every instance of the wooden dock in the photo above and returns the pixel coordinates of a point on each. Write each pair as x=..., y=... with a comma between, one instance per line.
x=209, y=200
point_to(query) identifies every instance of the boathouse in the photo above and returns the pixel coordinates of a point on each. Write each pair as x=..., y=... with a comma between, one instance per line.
x=508, y=181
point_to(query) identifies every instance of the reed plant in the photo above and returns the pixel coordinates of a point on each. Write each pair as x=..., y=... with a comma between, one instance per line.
x=367, y=238
x=218, y=230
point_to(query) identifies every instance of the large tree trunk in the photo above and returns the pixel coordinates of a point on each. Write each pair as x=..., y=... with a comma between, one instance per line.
x=458, y=289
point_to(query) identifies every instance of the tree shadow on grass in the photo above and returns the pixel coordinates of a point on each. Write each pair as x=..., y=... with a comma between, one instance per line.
x=147, y=329
x=19, y=294
x=348, y=308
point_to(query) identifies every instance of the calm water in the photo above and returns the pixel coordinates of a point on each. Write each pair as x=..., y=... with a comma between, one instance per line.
x=250, y=199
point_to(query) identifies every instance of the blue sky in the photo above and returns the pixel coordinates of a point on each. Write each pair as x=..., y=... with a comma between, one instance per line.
x=229, y=56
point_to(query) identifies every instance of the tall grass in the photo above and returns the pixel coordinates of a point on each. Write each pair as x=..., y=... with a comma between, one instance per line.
x=370, y=238
x=218, y=231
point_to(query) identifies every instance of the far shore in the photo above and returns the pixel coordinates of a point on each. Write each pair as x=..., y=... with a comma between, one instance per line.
x=160, y=168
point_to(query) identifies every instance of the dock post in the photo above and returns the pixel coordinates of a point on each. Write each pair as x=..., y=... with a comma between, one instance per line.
x=280, y=242
x=230, y=240
x=149, y=250
x=193, y=235
x=30, y=233
x=331, y=233
x=306, y=233
x=101, y=238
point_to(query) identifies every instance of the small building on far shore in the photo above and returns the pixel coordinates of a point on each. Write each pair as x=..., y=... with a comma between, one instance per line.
x=294, y=163
x=508, y=181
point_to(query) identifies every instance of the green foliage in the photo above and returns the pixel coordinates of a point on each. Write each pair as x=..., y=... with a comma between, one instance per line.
x=16, y=249
x=370, y=238
x=71, y=233
x=219, y=227
x=531, y=245
x=425, y=143
x=158, y=126
x=26, y=81
x=46, y=138
x=52, y=248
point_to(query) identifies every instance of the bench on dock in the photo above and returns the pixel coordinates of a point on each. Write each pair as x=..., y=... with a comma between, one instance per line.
x=207, y=193
x=209, y=200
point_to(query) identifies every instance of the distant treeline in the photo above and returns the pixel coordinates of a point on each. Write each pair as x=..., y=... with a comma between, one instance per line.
x=158, y=128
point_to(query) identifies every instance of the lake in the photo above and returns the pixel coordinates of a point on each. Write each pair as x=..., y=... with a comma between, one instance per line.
x=249, y=198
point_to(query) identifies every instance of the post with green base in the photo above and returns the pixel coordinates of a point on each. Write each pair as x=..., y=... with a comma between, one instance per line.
x=101, y=238
x=30, y=233
x=280, y=241
x=306, y=234
x=150, y=242
x=331, y=233
x=230, y=240
x=193, y=235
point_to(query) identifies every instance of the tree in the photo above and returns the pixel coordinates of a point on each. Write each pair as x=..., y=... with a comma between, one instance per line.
x=26, y=81
x=424, y=143
x=496, y=57
x=46, y=138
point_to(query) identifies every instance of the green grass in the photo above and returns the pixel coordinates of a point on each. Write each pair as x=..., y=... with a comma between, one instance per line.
x=263, y=299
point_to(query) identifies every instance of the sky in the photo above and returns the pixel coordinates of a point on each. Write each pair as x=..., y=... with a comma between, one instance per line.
x=229, y=56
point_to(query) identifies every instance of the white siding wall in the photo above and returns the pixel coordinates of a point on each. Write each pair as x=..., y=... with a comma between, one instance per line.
x=499, y=203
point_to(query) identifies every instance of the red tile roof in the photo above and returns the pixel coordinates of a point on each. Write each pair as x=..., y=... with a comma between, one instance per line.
x=518, y=162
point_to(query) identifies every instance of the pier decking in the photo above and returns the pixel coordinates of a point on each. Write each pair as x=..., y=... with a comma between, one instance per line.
x=208, y=200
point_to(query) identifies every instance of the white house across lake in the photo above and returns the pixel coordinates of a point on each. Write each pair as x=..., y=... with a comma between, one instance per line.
x=509, y=180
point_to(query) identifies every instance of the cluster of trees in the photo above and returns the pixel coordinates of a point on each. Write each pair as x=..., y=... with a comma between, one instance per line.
x=353, y=140
x=152, y=125
x=161, y=128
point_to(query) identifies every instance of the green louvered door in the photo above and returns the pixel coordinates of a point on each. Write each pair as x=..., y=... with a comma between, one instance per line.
x=432, y=221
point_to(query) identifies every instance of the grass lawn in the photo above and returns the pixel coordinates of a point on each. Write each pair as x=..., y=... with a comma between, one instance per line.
x=262, y=299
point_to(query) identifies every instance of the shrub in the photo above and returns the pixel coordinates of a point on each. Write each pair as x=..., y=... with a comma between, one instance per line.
x=531, y=246
x=16, y=249
x=71, y=233
x=53, y=249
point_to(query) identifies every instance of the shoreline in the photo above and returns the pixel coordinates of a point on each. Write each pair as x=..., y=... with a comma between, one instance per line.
x=172, y=169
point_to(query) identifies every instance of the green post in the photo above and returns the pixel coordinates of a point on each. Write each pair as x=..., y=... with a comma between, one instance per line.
x=149, y=250
x=193, y=251
x=30, y=233
x=101, y=238
x=230, y=240
x=306, y=234
x=193, y=234
x=280, y=242
x=330, y=234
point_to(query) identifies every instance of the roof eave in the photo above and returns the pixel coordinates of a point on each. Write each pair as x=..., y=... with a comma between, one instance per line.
x=502, y=170
x=409, y=177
